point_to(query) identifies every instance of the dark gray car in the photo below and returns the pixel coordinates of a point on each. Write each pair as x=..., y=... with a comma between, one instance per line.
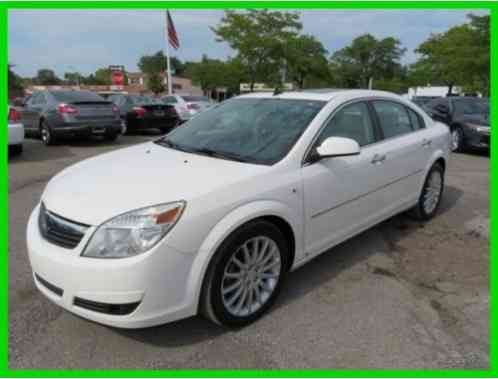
x=54, y=115
x=468, y=119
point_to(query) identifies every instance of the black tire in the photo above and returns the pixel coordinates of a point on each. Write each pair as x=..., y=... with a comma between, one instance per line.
x=211, y=303
x=15, y=150
x=420, y=212
x=457, y=140
x=46, y=134
x=111, y=137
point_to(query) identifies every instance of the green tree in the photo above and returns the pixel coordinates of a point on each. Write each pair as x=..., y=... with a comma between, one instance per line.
x=259, y=37
x=156, y=63
x=459, y=56
x=73, y=77
x=15, y=83
x=306, y=58
x=103, y=76
x=154, y=83
x=46, y=77
x=365, y=59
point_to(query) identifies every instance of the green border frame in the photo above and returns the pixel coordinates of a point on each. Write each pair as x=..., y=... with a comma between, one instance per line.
x=309, y=5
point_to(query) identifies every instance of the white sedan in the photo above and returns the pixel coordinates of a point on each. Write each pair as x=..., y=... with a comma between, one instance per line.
x=210, y=218
x=16, y=131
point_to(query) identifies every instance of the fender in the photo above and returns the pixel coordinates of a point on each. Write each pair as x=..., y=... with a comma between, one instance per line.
x=437, y=154
x=227, y=225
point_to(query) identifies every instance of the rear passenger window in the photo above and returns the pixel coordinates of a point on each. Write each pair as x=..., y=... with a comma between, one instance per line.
x=416, y=120
x=393, y=118
x=352, y=121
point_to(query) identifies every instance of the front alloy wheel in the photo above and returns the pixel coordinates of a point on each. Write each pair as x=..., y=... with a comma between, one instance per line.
x=245, y=275
x=250, y=277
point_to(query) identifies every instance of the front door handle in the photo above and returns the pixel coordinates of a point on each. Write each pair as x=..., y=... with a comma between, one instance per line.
x=378, y=158
x=426, y=143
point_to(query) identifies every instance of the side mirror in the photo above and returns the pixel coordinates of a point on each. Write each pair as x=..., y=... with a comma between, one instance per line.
x=337, y=147
x=441, y=108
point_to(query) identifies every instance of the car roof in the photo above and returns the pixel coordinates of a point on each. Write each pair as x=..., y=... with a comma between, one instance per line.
x=322, y=94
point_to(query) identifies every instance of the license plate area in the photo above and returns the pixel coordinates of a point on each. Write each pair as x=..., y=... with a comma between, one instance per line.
x=159, y=113
x=98, y=130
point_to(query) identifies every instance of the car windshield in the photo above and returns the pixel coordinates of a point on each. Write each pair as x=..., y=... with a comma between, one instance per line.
x=253, y=130
x=471, y=106
x=76, y=96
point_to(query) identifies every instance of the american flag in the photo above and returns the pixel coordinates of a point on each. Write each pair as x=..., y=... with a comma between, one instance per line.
x=172, y=36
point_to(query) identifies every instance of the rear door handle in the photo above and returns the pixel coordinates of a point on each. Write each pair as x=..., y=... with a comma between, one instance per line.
x=378, y=158
x=426, y=143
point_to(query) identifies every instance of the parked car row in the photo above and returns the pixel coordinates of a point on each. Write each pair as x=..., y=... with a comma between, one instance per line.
x=187, y=106
x=54, y=115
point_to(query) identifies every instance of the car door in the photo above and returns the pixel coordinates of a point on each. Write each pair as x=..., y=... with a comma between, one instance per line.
x=404, y=143
x=341, y=194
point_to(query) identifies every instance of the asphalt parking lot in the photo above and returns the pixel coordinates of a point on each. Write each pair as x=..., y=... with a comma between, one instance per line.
x=401, y=295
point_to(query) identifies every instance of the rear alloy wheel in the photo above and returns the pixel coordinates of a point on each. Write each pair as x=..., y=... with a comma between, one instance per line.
x=430, y=198
x=46, y=134
x=124, y=127
x=245, y=275
x=457, y=140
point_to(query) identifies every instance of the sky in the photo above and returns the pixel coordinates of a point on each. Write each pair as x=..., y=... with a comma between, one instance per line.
x=84, y=41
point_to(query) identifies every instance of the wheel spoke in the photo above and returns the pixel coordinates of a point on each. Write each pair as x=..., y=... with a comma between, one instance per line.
x=271, y=265
x=235, y=296
x=231, y=287
x=268, y=275
x=238, y=263
x=241, y=301
x=233, y=275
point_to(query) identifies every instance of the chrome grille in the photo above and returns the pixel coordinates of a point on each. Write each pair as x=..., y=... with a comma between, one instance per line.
x=60, y=231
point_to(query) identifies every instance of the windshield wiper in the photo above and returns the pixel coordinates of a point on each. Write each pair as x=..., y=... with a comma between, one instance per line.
x=221, y=154
x=168, y=143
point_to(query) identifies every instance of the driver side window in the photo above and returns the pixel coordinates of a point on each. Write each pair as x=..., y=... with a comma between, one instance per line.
x=353, y=121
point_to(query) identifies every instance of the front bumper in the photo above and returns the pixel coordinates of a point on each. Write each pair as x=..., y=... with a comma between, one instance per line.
x=480, y=139
x=16, y=134
x=142, y=291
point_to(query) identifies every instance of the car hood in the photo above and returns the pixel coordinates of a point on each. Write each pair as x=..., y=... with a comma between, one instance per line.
x=477, y=119
x=97, y=189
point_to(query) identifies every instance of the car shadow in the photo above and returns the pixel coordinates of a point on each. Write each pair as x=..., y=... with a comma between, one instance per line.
x=36, y=151
x=316, y=273
x=477, y=152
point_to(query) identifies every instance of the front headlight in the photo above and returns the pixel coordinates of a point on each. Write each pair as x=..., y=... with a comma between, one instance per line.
x=479, y=128
x=134, y=232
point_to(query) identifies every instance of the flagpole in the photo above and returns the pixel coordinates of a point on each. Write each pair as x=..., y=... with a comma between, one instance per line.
x=168, y=64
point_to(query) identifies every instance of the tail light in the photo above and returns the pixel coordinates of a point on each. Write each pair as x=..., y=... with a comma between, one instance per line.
x=140, y=112
x=68, y=109
x=193, y=106
x=14, y=115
